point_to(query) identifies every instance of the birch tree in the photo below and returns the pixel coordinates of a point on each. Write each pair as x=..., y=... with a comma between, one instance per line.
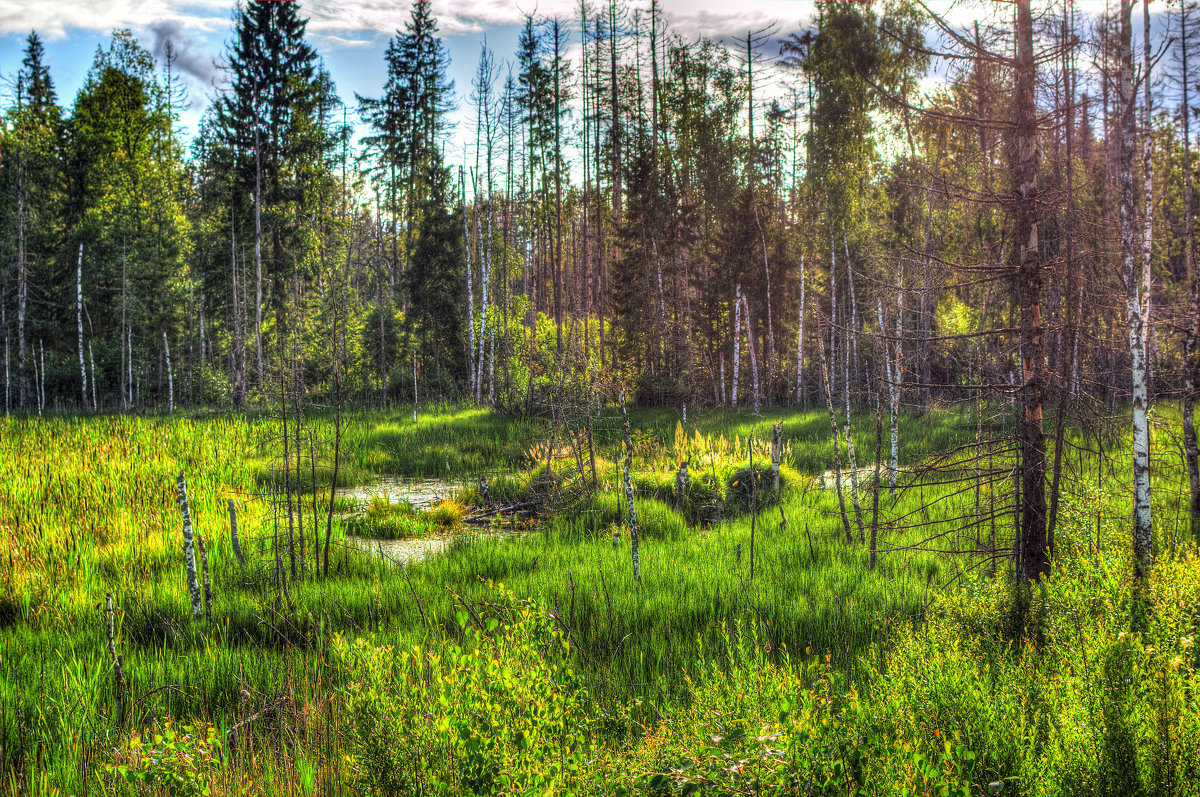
x=1143, y=542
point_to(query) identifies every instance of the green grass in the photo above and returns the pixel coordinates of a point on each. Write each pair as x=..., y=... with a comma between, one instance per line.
x=89, y=507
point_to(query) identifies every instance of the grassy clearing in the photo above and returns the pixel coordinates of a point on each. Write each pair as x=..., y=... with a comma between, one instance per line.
x=94, y=512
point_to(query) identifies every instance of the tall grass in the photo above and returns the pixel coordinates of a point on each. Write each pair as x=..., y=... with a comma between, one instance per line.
x=88, y=507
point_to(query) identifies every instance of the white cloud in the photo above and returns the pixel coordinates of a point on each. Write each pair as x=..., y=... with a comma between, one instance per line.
x=57, y=19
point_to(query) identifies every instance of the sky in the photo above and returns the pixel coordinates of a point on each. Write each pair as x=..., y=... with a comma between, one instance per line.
x=351, y=36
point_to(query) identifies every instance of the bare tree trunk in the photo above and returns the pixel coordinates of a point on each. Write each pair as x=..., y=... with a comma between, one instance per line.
x=633, y=527
x=1191, y=361
x=258, y=285
x=485, y=279
x=925, y=390
x=170, y=378
x=41, y=379
x=1034, y=560
x=92, y=363
x=79, y=325
x=851, y=460
x=1147, y=191
x=239, y=346
x=737, y=344
x=897, y=384
x=7, y=380
x=22, y=273
x=189, y=547
x=753, y=354
x=837, y=452
x=208, y=595
x=118, y=661
x=878, y=459
x=853, y=308
x=800, y=340
x=233, y=534
x=470, y=289
x=1143, y=541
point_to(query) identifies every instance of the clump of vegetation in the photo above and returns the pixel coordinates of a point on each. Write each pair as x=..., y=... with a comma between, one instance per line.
x=447, y=513
x=499, y=711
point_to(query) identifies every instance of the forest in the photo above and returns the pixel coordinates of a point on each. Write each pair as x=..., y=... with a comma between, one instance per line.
x=810, y=411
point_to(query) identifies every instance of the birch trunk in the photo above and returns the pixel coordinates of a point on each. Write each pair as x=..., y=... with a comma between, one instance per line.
x=239, y=348
x=189, y=547
x=891, y=387
x=837, y=452
x=118, y=674
x=776, y=456
x=737, y=344
x=1147, y=190
x=1143, y=543
x=899, y=384
x=633, y=527
x=851, y=460
x=853, y=307
x=92, y=364
x=83, y=403
x=800, y=341
x=485, y=278
x=208, y=596
x=170, y=377
x=233, y=534
x=470, y=289
x=753, y=354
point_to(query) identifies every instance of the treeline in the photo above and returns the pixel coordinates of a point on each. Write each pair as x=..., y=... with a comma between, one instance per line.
x=802, y=218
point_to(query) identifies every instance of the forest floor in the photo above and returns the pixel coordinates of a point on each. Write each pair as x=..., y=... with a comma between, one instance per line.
x=522, y=655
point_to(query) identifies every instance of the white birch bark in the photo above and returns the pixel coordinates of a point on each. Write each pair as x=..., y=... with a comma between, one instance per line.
x=189, y=547
x=853, y=306
x=633, y=527
x=893, y=402
x=462, y=187
x=129, y=364
x=800, y=340
x=850, y=458
x=1143, y=542
x=737, y=344
x=753, y=354
x=170, y=377
x=485, y=278
x=83, y=386
x=1147, y=188
x=40, y=374
x=92, y=363
x=233, y=534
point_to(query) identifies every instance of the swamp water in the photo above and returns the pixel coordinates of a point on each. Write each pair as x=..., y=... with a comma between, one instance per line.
x=422, y=494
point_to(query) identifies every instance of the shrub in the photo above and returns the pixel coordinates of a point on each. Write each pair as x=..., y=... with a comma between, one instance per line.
x=502, y=711
x=181, y=761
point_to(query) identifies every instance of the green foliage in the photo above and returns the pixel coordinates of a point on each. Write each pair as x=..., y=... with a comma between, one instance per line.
x=501, y=711
x=177, y=762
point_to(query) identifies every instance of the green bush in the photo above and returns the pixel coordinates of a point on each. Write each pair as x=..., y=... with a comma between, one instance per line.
x=500, y=712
